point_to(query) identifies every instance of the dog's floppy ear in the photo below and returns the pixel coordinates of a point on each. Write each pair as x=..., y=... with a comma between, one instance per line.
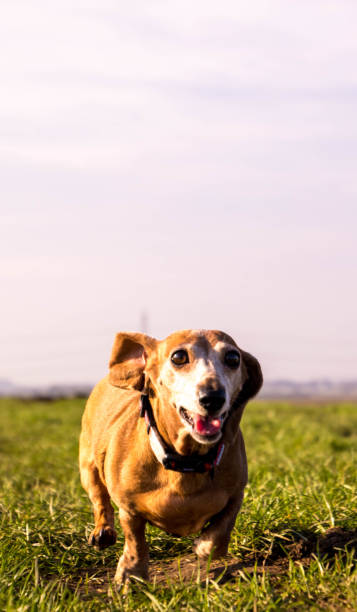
x=128, y=360
x=254, y=379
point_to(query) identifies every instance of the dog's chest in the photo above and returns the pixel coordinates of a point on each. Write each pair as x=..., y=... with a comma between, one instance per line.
x=178, y=513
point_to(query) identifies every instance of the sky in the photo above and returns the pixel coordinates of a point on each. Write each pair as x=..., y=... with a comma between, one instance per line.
x=193, y=163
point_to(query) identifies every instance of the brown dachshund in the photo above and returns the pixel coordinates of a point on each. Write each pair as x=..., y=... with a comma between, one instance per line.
x=161, y=438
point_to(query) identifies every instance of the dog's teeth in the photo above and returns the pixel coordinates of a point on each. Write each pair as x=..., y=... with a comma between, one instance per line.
x=185, y=415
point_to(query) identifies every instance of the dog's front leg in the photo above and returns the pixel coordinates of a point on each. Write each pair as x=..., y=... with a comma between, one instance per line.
x=214, y=538
x=135, y=558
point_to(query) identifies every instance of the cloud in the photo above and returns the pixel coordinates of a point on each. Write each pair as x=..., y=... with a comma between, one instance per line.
x=193, y=159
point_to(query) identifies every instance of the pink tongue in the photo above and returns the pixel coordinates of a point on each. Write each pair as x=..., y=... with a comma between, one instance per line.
x=206, y=426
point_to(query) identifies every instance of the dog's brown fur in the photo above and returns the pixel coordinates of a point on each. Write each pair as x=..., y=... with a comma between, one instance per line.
x=117, y=462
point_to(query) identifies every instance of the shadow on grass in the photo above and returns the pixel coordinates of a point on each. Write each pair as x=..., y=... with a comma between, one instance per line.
x=297, y=546
x=302, y=546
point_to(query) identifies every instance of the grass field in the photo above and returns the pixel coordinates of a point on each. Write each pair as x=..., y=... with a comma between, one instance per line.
x=291, y=549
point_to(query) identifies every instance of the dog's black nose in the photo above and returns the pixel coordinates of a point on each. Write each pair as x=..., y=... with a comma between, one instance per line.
x=212, y=401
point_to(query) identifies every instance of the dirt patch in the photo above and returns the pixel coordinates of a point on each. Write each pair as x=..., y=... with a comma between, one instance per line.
x=336, y=539
x=305, y=545
x=299, y=547
x=275, y=560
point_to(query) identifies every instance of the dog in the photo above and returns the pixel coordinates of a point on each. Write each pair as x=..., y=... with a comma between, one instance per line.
x=161, y=438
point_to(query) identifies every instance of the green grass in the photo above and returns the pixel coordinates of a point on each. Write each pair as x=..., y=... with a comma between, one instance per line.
x=302, y=481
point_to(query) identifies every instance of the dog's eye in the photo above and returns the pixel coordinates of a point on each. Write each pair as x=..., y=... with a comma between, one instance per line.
x=179, y=357
x=232, y=359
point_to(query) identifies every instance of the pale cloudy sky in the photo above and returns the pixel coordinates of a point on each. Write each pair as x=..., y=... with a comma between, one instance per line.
x=195, y=160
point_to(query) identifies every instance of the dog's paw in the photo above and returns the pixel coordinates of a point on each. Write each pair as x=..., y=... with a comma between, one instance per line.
x=126, y=571
x=102, y=537
x=205, y=547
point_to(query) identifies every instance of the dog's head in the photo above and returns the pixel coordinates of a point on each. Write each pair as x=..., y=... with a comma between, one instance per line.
x=198, y=374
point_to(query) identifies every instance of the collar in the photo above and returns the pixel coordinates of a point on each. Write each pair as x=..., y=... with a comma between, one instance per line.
x=168, y=457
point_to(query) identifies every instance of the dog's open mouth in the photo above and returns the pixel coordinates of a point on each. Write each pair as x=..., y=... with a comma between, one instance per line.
x=205, y=426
